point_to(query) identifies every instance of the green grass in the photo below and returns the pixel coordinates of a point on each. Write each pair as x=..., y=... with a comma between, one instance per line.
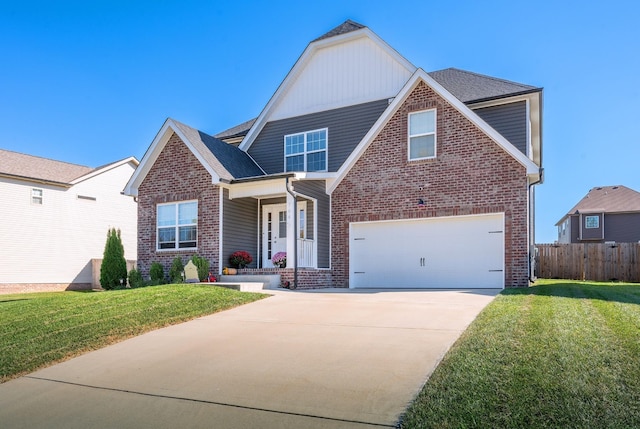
x=39, y=329
x=561, y=354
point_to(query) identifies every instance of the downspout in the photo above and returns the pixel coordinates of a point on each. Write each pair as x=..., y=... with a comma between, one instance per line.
x=532, y=222
x=295, y=231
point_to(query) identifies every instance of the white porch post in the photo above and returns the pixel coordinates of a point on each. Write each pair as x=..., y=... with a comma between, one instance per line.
x=291, y=230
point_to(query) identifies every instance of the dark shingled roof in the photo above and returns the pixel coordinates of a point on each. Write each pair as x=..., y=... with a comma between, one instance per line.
x=227, y=160
x=608, y=199
x=237, y=131
x=346, y=27
x=469, y=87
x=31, y=167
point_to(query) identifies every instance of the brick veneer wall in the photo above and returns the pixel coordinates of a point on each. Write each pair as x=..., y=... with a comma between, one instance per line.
x=177, y=175
x=471, y=175
x=308, y=278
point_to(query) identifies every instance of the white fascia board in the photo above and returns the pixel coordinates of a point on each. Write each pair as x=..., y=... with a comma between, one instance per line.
x=257, y=189
x=153, y=152
x=420, y=75
x=304, y=59
x=131, y=159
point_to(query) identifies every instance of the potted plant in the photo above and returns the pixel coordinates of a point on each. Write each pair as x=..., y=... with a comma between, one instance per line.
x=240, y=259
x=279, y=259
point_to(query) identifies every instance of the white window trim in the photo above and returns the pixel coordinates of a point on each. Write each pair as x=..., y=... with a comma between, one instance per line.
x=434, y=133
x=37, y=196
x=305, y=153
x=176, y=226
x=586, y=221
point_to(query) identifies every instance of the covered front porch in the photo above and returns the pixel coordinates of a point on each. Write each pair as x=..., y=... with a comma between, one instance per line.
x=269, y=217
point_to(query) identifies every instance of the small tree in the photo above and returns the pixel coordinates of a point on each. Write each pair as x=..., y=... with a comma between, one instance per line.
x=203, y=266
x=177, y=267
x=114, y=266
x=156, y=272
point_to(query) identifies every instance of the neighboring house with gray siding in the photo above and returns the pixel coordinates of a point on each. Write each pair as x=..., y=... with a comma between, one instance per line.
x=605, y=214
x=55, y=220
x=396, y=181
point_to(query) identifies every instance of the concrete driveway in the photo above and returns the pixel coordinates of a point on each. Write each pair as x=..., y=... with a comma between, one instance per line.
x=318, y=359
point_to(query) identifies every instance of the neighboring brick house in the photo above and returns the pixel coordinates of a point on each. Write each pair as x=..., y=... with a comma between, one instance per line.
x=374, y=172
x=606, y=213
x=56, y=216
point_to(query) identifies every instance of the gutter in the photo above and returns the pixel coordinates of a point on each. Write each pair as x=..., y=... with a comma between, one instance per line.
x=290, y=191
x=532, y=229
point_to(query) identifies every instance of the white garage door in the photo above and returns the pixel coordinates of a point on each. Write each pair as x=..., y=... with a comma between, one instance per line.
x=447, y=252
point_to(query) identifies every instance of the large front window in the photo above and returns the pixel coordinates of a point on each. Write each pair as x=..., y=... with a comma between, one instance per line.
x=177, y=225
x=422, y=135
x=306, y=151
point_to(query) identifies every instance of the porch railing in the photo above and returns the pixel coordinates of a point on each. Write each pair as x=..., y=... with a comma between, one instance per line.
x=305, y=253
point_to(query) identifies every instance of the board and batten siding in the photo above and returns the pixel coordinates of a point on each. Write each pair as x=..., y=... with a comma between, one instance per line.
x=239, y=228
x=344, y=74
x=55, y=242
x=345, y=129
x=510, y=120
x=316, y=189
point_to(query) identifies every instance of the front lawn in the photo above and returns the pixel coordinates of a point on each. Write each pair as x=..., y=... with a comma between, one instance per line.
x=561, y=354
x=39, y=329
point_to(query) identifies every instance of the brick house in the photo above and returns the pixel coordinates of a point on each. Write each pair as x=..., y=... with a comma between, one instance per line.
x=366, y=170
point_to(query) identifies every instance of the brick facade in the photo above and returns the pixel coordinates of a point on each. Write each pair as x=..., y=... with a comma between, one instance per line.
x=308, y=278
x=471, y=175
x=177, y=175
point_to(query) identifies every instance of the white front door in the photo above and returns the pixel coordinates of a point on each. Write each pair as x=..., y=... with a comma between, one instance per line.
x=274, y=232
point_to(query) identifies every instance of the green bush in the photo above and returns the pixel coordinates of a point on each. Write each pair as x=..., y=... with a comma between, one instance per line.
x=156, y=272
x=135, y=278
x=175, y=273
x=203, y=266
x=114, y=266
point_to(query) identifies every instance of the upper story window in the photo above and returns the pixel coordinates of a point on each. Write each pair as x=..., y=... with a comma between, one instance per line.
x=36, y=196
x=422, y=135
x=306, y=151
x=177, y=225
x=592, y=222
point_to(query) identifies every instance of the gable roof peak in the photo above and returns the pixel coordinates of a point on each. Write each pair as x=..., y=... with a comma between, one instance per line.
x=346, y=27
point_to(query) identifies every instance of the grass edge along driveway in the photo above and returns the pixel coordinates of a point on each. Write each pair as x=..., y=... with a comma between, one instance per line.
x=560, y=354
x=40, y=329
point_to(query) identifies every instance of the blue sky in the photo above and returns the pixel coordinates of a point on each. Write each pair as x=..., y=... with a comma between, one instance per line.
x=91, y=82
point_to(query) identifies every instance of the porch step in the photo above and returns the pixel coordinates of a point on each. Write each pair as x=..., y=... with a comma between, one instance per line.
x=243, y=287
x=269, y=281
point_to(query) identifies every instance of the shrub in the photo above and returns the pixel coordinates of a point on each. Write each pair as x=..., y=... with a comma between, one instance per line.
x=175, y=273
x=203, y=266
x=135, y=278
x=156, y=272
x=114, y=266
x=240, y=259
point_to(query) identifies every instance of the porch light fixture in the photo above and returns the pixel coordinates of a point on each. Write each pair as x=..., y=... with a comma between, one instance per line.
x=420, y=202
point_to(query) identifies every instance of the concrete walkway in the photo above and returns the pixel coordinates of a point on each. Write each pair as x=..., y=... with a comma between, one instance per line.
x=319, y=359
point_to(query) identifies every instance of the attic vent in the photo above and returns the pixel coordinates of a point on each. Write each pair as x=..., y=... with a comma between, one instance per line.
x=615, y=187
x=599, y=189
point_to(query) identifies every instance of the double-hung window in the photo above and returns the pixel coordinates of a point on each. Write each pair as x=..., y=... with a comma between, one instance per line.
x=306, y=151
x=36, y=196
x=422, y=135
x=177, y=225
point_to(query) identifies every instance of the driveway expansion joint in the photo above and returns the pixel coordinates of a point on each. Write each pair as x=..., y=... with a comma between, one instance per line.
x=204, y=401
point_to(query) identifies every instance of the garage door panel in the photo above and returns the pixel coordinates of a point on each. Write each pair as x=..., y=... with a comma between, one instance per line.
x=453, y=252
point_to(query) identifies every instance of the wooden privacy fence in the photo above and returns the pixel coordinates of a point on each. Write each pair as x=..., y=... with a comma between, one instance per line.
x=593, y=261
